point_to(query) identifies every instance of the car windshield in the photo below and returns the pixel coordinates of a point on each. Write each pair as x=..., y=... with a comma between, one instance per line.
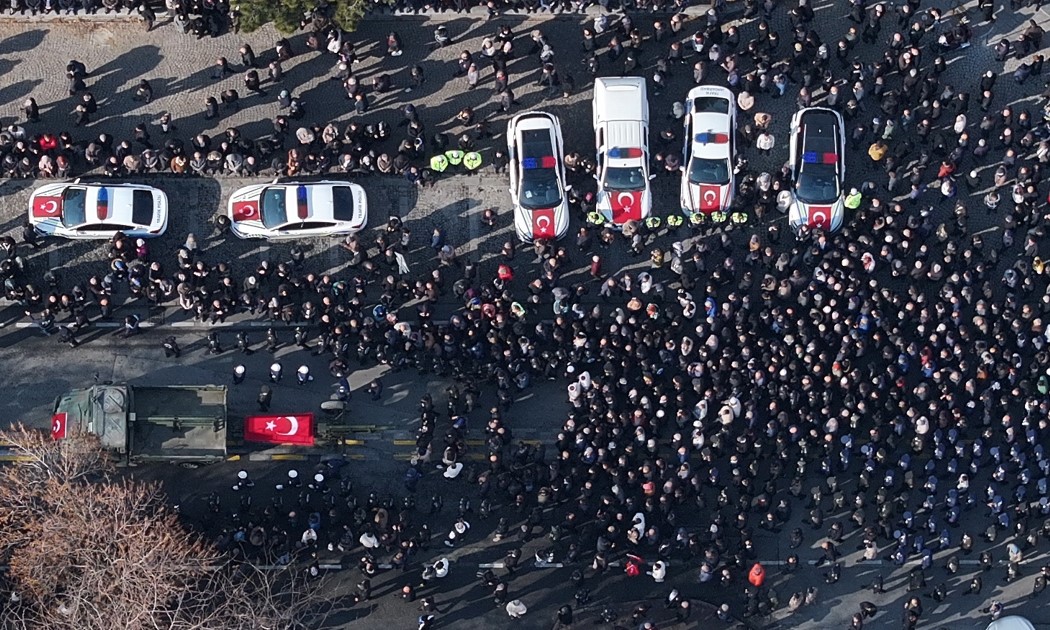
x=73, y=207
x=142, y=207
x=624, y=178
x=817, y=184
x=274, y=212
x=710, y=105
x=539, y=188
x=703, y=171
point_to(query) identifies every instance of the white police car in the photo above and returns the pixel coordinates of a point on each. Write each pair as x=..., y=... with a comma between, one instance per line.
x=818, y=167
x=708, y=182
x=537, y=176
x=98, y=211
x=297, y=210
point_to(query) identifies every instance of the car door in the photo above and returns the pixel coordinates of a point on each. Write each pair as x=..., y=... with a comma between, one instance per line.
x=600, y=161
x=514, y=165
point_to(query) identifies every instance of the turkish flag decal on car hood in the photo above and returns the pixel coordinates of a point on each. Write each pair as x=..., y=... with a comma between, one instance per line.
x=543, y=223
x=626, y=205
x=820, y=217
x=245, y=211
x=47, y=207
x=710, y=198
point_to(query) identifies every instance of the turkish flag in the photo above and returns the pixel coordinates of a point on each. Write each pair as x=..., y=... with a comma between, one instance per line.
x=543, y=223
x=58, y=426
x=294, y=429
x=820, y=217
x=47, y=207
x=626, y=206
x=710, y=198
x=245, y=211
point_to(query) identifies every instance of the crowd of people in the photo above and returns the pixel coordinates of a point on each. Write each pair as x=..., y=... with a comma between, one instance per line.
x=889, y=382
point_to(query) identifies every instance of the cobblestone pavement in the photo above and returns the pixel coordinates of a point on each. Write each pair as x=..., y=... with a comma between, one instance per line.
x=118, y=53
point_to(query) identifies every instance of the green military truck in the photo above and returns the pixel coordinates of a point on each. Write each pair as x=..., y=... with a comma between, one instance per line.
x=183, y=424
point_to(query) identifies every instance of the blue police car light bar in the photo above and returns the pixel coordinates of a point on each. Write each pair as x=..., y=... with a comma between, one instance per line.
x=809, y=157
x=620, y=153
x=712, y=138
x=544, y=162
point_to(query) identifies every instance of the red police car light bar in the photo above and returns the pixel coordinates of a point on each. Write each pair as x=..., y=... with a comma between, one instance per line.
x=622, y=153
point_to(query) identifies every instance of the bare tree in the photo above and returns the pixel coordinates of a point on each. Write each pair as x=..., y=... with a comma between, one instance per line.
x=87, y=552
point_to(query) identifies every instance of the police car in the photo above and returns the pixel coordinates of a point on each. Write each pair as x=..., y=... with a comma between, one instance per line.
x=537, y=176
x=621, y=127
x=278, y=211
x=98, y=211
x=708, y=183
x=818, y=168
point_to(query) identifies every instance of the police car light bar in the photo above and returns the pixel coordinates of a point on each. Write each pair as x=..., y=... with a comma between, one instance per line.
x=621, y=153
x=544, y=162
x=812, y=157
x=302, y=205
x=712, y=138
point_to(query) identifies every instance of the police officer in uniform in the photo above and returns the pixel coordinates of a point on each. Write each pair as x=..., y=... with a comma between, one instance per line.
x=439, y=163
x=472, y=160
x=853, y=199
x=455, y=157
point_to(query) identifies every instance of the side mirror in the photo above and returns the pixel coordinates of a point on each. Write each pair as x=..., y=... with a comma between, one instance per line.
x=652, y=176
x=275, y=180
x=76, y=181
x=595, y=176
x=568, y=188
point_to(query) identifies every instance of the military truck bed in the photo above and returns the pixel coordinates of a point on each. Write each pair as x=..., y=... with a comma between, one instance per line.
x=178, y=423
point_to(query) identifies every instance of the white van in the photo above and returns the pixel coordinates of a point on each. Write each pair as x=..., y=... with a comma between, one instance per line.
x=621, y=129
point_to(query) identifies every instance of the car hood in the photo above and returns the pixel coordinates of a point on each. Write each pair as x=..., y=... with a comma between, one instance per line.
x=620, y=206
x=706, y=198
x=814, y=215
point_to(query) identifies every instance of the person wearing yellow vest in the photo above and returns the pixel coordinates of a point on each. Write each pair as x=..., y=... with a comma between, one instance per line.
x=455, y=157
x=653, y=223
x=675, y=220
x=438, y=163
x=595, y=218
x=472, y=160
x=853, y=199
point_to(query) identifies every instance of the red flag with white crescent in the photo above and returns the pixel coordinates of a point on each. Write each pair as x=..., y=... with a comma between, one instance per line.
x=58, y=426
x=820, y=217
x=626, y=205
x=292, y=429
x=543, y=223
x=710, y=198
x=245, y=211
x=47, y=207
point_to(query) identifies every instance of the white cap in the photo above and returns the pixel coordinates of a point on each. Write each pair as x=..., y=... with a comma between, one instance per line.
x=453, y=471
x=318, y=477
x=242, y=474
x=304, y=370
x=293, y=474
x=276, y=367
x=238, y=370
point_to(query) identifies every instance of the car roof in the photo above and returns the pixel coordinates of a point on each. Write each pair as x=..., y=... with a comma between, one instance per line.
x=119, y=200
x=819, y=130
x=711, y=135
x=627, y=135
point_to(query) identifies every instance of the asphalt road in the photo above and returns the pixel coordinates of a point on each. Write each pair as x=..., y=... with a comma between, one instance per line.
x=36, y=369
